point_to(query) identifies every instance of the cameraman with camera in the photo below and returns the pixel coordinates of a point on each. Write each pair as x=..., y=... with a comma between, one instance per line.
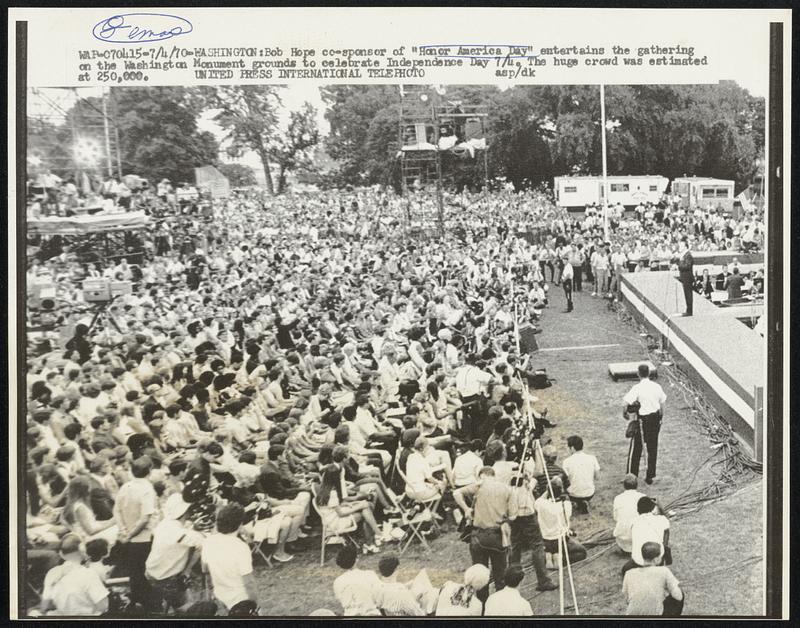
x=649, y=398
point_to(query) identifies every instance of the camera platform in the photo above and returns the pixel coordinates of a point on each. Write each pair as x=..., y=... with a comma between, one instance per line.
x=629, y=370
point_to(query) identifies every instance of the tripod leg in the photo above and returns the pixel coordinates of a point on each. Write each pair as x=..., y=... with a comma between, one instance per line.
x=113, y=322
x=569, y=574
x=96, y=316
x=561, y=573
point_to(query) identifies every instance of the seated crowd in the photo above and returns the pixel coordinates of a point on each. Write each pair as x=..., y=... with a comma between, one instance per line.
x=300, y=373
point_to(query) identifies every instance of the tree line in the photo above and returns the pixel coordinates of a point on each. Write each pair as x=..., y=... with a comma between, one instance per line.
x=159, y=135
x=534, y=133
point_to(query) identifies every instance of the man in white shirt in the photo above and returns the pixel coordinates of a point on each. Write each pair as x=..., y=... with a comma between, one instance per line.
x=648, y=588
x=583, y=470
x=356, y=589
x=625, y=512
x=227, y=559
x=70, y=588
x=508, y=602
x=135, y=513
x=174, y=552
x=567, y=275
x=467, y=465
x=648, y=527
x=470, y=384
x=650, y=398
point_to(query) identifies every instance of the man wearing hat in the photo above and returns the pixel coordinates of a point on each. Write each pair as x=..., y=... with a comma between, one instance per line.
x=174, y=552
x=70, y=588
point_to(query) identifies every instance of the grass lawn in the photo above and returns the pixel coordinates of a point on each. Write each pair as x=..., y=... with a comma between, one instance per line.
x=717, y=550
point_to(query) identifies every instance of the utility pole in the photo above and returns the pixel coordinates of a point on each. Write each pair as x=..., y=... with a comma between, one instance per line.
x=439, y=199
x=605, y=168
x=105, y=130
x=116, y=133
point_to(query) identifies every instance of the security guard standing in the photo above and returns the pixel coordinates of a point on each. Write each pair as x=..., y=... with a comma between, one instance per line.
x=651, y=398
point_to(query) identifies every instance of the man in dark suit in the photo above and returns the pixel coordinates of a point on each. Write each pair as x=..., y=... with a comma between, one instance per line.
x=686, y=274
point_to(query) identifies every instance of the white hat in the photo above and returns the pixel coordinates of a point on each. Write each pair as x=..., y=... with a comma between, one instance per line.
x=175, y=506
x=445, y=334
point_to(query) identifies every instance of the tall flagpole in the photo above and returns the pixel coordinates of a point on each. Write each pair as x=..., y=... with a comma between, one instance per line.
x=605, y=165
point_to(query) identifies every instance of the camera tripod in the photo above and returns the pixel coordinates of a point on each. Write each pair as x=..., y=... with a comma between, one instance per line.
x=536, y=454
x=101, y=313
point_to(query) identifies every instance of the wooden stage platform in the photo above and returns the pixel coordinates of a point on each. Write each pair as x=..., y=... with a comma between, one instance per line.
x=724, y=357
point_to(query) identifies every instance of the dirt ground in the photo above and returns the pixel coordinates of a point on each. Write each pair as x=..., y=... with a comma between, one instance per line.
x=717, y=550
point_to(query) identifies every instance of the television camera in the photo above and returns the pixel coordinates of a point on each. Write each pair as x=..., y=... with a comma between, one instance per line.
x=102, y=292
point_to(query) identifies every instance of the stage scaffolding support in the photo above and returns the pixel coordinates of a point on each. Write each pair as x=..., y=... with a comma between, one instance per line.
x=424, y=111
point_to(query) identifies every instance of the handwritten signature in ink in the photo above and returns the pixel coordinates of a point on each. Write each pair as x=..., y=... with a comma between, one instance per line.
x=140, y=28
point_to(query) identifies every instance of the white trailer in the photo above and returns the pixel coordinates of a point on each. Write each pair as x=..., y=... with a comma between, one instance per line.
x=704, y=192
x=575, y=192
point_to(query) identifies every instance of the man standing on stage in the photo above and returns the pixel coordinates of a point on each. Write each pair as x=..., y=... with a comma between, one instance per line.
x=686, y=274
x=651, y=399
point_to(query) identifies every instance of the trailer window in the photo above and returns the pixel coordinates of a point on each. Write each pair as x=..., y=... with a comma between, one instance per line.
x=708, y=192
x=654, y=188
x=620, y=187
x=568, y=189
x=722, y=192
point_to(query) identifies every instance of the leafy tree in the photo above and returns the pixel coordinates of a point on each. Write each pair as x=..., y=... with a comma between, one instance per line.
x=158, y=133
x=352, y=109
x=292, y=150
x=238, y=175
x=249, y=115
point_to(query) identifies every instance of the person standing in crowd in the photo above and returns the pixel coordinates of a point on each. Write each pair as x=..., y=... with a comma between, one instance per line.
x=508, y=602
x=470, y=384
x=583, y=471
x=647, y=587
x=686, y=274
x=625, y=510
x=491, y=508
x=135, y=512
x=554, y=512
x=228, y=561
x=526, y=534
x=651, y=401
x=176, y=549
x=567, y=276
x=733, y=284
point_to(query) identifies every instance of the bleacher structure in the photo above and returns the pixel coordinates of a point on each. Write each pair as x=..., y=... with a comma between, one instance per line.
x=431, y=126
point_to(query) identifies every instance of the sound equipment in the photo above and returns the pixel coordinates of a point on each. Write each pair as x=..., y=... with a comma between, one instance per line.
x=96, y=290
x=527, y=338
x=43, y=296
x=629, y=370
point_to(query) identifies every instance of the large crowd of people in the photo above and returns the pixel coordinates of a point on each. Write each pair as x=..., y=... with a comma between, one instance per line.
x=304, y=366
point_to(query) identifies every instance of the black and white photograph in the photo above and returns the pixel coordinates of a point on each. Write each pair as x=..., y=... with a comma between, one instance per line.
x=264, y=348
x=395, y=350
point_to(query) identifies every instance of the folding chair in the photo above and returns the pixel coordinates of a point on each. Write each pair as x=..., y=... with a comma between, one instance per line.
x=327, y=534
x=255, y=543
x=413, y=520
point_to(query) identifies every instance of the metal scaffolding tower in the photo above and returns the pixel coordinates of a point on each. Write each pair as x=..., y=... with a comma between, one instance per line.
x=87, y=121
x=424, y=114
